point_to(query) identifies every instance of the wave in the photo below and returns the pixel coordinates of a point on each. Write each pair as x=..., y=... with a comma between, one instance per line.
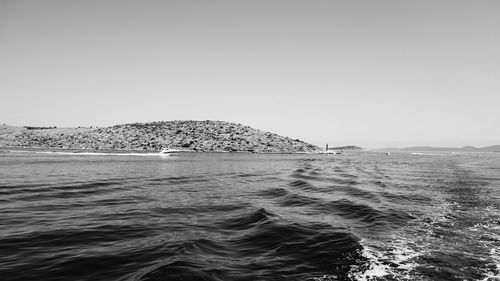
x=261, y=246
x=434, y=154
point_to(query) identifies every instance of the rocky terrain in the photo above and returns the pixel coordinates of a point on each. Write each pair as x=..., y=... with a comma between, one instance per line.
x=203, y=136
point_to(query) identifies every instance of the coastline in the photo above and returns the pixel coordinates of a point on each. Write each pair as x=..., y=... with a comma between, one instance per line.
x=196, y=136
x=14, y=149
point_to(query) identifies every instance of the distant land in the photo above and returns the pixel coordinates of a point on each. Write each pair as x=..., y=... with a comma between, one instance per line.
x=202, y=136
x=347, y=147
x=492, y=148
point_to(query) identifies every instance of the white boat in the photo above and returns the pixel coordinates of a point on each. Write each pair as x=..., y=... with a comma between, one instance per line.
x=169, y=151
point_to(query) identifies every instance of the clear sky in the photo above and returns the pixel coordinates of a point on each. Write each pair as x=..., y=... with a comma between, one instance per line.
x=369, y=73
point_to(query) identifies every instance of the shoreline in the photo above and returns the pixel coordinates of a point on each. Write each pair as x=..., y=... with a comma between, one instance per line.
x=110, y=151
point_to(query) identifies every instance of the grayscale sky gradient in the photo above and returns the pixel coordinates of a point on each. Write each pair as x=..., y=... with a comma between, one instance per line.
x=369, y=73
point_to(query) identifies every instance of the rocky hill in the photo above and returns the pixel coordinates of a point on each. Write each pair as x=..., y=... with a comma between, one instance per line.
x=203, y=136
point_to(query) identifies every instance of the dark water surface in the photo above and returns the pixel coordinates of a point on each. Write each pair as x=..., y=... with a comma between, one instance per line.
x=202, y=216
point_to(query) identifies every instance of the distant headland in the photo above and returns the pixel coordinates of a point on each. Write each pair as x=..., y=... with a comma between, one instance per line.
x=492, y=148
x=201, y=136
x=347, y=147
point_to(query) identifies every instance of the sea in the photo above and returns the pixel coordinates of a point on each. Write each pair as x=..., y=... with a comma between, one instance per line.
x=234, y=216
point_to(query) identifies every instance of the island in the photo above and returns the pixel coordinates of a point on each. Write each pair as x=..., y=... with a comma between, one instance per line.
x=347, y=147
x=198, y=136
x=491, y=148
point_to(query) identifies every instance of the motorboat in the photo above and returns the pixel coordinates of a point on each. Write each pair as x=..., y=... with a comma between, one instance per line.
x=169, y=151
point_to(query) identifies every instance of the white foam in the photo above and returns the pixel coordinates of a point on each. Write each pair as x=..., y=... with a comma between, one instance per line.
x=431, y=154
x=396, y=260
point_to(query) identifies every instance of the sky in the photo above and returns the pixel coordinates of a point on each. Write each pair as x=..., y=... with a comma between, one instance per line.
x=368, y=73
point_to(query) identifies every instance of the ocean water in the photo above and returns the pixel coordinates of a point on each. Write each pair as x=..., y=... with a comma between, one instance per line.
x=210, y=216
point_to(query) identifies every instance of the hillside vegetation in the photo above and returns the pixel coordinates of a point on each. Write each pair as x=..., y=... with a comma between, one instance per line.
x=204, y=136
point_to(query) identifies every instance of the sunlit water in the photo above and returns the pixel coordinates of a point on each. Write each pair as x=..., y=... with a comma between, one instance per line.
x=203, y=216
